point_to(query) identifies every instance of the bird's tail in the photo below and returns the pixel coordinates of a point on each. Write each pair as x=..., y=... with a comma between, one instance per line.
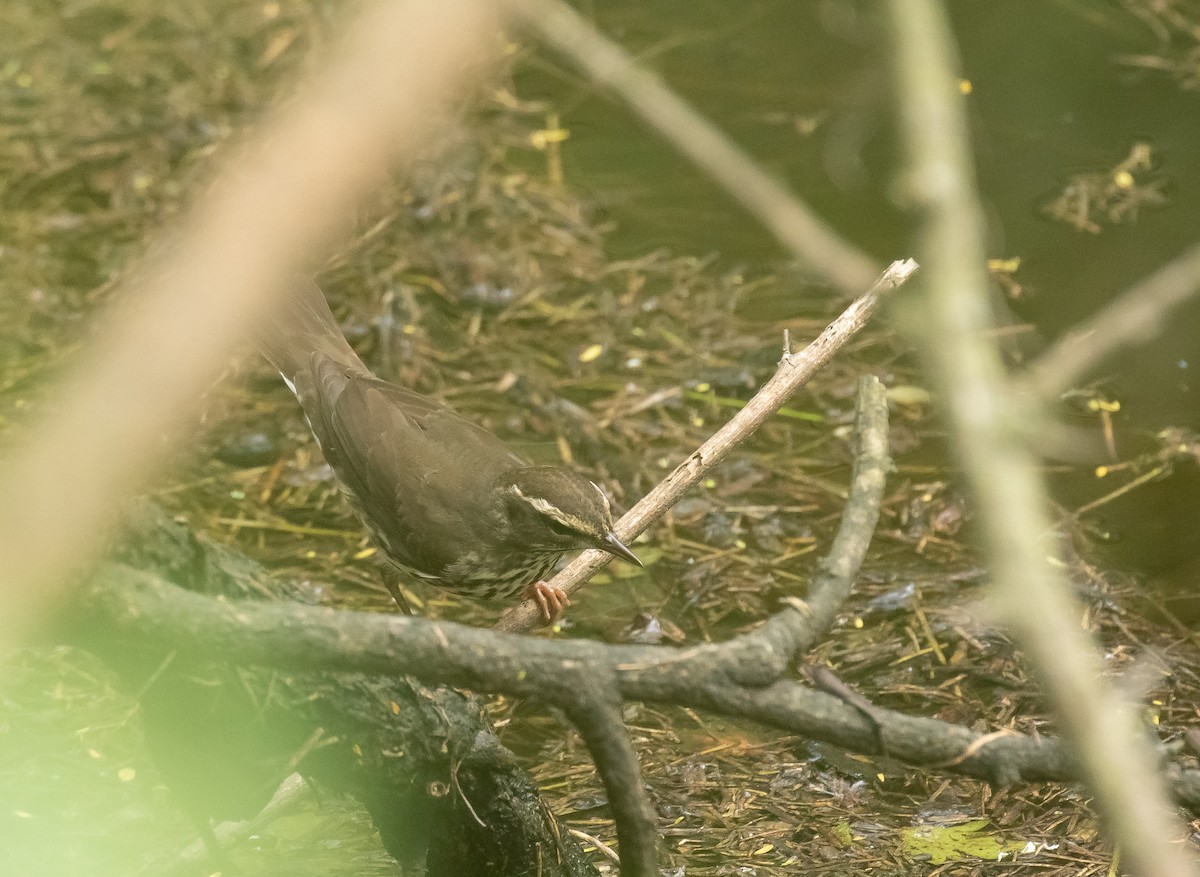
x=304, y=326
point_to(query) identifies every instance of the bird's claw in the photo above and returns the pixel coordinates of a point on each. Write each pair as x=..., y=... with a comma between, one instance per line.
x=551, y=599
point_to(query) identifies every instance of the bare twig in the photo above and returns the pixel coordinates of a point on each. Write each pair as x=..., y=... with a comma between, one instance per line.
x=794, y=371
x=601, y=847
x=831, y=588
x=1003, y=473
x=282, y=197
x=785, y=216
x=1136, y=317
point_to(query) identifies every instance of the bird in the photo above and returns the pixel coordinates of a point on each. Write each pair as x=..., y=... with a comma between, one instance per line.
x=444, y=500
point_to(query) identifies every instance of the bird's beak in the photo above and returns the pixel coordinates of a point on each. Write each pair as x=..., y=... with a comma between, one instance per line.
x=616, y=548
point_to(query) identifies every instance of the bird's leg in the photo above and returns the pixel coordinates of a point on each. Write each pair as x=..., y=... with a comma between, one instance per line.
x=391, y=579
x=550, y=598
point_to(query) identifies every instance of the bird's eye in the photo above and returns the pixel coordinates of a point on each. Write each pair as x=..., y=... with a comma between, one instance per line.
x=560, y=528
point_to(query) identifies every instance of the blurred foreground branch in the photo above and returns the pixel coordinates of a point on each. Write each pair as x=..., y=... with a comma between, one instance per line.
x=1010, y=497
x=1136, y=317
x=283, y=196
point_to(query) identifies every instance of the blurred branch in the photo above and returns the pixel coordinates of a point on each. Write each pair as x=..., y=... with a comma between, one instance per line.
x=1138, y=316
x=283, y=196
x=1010, y=497
x=791, y=222
x=795, y=369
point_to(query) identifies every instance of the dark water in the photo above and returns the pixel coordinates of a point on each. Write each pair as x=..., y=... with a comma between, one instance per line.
x=801, y=87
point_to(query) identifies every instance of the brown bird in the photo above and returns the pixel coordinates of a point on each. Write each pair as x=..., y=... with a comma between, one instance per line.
x=443, y=498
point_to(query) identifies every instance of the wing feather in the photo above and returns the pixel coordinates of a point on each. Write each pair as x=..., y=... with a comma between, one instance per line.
x=416, y=463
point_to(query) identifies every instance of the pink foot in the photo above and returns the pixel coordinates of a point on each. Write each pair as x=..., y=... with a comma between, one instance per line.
x=552, y=600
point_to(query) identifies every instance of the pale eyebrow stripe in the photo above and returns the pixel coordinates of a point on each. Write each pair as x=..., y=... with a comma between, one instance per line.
x=552, y=511
x=603, y=496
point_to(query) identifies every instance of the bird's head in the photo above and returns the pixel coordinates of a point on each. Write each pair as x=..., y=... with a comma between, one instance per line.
x=557, y=509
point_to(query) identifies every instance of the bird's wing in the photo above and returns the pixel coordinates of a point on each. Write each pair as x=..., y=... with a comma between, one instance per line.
x=415, y=463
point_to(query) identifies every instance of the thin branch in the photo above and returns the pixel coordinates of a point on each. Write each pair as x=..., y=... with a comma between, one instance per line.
x=794, y=371
x=1010, y=496
x=597, y=717
x=601, y=847
x=872, y=464
x=285, y=195
x=1138, y=316
x=784, y=215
